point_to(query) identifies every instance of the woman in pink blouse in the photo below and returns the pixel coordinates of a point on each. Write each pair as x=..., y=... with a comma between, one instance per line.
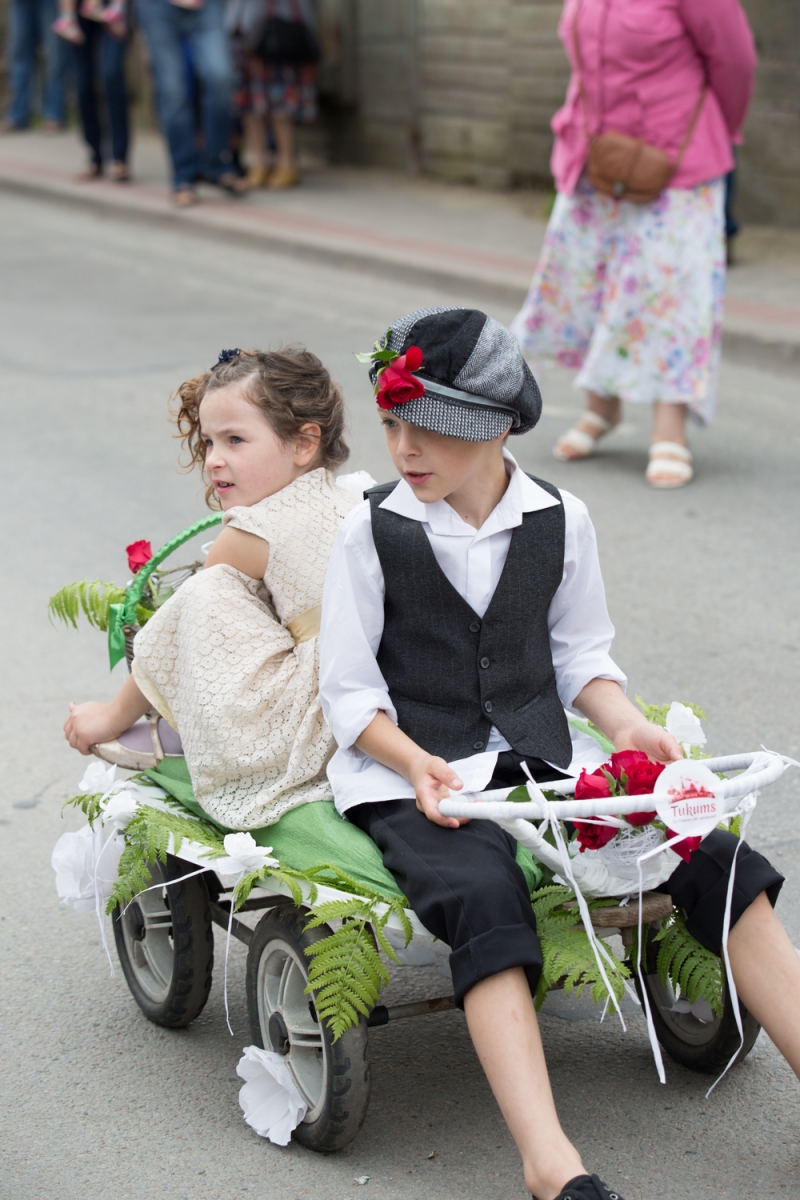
x=631, y=294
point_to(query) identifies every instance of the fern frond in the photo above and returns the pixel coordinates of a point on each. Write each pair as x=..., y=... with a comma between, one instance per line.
x=91, y=597
x=692, y=970
x=567, y=953
x=88, y=803
x=346, y=972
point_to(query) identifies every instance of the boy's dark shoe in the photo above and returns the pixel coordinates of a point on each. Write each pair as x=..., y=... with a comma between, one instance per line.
x=587, y=1187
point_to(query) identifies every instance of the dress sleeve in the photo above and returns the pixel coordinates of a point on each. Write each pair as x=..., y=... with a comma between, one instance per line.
x=724, y=41
x=581, y=632
x=352, y=688
x=249, y=520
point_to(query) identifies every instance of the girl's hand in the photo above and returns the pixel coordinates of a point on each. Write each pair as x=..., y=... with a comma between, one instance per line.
x=88, y=724
x=432, y=779
x=654, y=741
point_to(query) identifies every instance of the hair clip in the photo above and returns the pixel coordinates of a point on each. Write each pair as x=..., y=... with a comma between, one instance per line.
x=225, y=356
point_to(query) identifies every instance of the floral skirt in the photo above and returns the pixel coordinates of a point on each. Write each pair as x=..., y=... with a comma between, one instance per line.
x=276, y=91
x=632, y=294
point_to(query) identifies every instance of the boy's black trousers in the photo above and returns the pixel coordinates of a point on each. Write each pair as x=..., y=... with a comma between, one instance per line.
x=467, y=889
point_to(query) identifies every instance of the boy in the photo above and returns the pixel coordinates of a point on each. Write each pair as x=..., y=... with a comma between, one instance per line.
x=463, y=611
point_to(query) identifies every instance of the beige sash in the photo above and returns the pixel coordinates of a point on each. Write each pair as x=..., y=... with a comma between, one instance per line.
x=306, y=625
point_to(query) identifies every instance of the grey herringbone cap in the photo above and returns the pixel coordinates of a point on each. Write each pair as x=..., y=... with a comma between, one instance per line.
x=477, y=383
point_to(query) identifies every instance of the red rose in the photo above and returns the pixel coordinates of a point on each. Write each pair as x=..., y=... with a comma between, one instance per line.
x=396, y=384
x=686, y=848
x=642, y=777
x=640, y=818
x=139, y=553
x=592, y=787
x=593, y=837
x=625, y=760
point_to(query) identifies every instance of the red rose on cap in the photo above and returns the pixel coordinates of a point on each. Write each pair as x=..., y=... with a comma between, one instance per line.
x=139, y=553
x=396, y=384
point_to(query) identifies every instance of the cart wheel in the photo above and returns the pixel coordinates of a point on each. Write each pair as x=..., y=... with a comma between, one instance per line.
x=166, y=946
x=332, y=1077
x=701, y=1046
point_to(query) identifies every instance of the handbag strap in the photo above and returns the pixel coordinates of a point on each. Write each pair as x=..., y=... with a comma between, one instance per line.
x=585, y=106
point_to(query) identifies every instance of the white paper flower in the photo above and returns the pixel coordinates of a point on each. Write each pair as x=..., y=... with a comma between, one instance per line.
x=120, y=810
x=356, y=482
x=97, y=778
x=86, y=864
x=244, y=854
x=684, y=726
x=270, y=1101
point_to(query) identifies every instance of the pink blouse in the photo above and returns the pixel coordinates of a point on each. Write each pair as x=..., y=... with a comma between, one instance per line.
x=643, y=65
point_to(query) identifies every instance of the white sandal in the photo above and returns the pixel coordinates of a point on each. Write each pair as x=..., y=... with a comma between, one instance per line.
x=670, y=465
x=584, y=444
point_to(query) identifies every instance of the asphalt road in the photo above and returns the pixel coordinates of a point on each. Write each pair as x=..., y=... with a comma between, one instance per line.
x=100, y=320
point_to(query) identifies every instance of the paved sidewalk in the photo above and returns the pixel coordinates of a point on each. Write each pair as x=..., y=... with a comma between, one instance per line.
x=409, y=228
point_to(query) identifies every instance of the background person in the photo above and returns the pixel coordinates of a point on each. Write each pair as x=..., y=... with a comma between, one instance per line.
x=30, y=24
x=272, y=95
x=632, y=293
x=168, y=27
x=99, y=56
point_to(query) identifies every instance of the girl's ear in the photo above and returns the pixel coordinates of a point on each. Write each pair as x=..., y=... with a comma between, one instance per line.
x=307, y=444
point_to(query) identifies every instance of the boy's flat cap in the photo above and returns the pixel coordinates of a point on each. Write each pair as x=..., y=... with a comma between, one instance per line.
x=477, y=384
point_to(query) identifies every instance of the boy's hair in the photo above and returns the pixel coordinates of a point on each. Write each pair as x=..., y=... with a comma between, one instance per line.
x=290, y=387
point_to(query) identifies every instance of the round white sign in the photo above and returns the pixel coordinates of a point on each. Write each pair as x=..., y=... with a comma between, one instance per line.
x=686, y=798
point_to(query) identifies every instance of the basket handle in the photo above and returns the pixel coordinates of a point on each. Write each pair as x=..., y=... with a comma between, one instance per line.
x=122, y=615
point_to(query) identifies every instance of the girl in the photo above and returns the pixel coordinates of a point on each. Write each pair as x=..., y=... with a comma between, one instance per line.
x=231, y=660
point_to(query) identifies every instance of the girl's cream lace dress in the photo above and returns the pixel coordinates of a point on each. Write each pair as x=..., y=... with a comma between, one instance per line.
x=233, y=662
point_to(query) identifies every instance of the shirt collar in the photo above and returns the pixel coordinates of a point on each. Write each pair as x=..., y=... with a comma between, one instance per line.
x=522, y=495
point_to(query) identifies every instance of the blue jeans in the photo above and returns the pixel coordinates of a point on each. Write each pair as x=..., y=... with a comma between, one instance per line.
x=167, y=28
x=101, y=53
x=29, y=26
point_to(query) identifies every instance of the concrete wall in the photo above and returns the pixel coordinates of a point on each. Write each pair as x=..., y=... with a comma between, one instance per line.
x=464, y=89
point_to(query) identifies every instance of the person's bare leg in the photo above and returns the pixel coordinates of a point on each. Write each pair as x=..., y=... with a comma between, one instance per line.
x=504, y=1030
x=255, y=140
x=607, y=407
x=669, y=423
x=766, y=968
x=283, y=128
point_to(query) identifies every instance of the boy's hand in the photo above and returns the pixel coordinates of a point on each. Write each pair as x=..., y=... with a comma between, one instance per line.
x=88, y=724
x=432, y=779
x=654, y=741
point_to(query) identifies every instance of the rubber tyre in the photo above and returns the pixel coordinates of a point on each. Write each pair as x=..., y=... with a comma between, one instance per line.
x=706, y=1048
x=333, y=1077
x=165, y=945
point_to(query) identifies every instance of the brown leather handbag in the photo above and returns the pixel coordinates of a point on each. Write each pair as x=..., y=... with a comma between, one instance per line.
x=625, y=167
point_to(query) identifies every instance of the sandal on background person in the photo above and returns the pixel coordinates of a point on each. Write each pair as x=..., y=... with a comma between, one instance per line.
x=283, y=177
x=184, y=196
x=580, y=443
x=670, y=465
x=587, y=1187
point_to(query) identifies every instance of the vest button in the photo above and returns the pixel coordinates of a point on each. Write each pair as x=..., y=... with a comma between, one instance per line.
x=477, y=745
x=484, y=662
x=474, y=627
x=487, y=704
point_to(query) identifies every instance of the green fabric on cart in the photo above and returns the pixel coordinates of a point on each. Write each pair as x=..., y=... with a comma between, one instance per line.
x=315, y=833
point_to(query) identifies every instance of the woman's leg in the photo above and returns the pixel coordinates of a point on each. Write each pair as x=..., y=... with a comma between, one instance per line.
x=283, y=128
x=578, y=442
x=84, y=55
x=504, y=1030
x=255, y=133
x=766, y=968
x=112, y=67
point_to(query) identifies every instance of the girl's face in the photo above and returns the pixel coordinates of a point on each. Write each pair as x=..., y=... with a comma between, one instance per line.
x=245, y=459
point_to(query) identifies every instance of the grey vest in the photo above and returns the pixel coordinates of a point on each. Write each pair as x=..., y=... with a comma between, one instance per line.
x=452, y=674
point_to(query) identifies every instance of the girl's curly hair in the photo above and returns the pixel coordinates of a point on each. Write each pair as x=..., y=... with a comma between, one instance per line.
x=291, y=388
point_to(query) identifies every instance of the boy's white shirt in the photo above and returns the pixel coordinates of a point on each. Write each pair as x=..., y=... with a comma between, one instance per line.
x=352, y=687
